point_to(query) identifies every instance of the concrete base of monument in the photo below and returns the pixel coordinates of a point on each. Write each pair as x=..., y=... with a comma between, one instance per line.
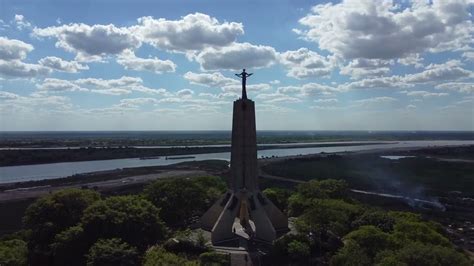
x=266, y=219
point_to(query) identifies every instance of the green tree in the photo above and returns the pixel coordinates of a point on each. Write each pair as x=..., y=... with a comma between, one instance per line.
x=328, y=214
x=50, y=215
x=298, y=250
x=278, y=196
x=214, y=259
x=405, y=231
x=182, y=198
x=158, y=256
x=379, y=219
x=351, y=255
x=70, y=246
x=419, y=254
x=112, y=252
x=13, y=253
x=131, y=218
x=371, y=239
x=315, y=190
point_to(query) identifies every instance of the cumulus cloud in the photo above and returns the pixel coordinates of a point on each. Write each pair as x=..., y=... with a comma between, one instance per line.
x=375, y=100
x=5, y=95
x=237, y=88
x=19, y=69
x=12, y=52
x=277, y=98
x=304, y=63
x=90, y=43
x=378, y=82
x=35, y=103
x=309, y=90
x=120, y=86
x=192, y=32
x=236, y=57
x=185, y=93
x=384, y=30
x=463, y=87
x=130, y=61
x=424, y=94
x=450, y=70
x=215, y=79
x=468, y=56
x=21, y=23
x=61, y=65
x=330, y=100
x=58, y=85
x=136, y=102
x=434, y=73
x=411, y=60
x=11, y=49
x=361, y=67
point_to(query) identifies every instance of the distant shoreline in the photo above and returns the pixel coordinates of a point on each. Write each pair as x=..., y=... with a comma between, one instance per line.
x=19, y=157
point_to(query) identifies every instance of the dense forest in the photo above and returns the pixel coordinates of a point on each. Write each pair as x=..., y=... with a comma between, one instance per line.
x=154, y=227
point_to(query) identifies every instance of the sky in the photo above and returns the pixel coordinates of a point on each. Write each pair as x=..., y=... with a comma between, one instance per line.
x=170, y=65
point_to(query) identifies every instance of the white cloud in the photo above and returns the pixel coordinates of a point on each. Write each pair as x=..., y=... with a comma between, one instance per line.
x=36, y=103
x=375, y=100
x=5, y=95
x=59, y=64
x=185, y=93
x=450, y=70
x=90, y=43
x=236, y=57
x=12, y=52
x=237, y=88
x=383, y=30
x=433, y=73
x=11, y=49
x=215, y=79
x=468, y=56
x=325, y=101
x=136, y=102
x=424, y=94
x=309, y=90
x=192, y=32
x=277, y=98
x=304, y=63
x=379, y=82
x=58, y=85
x=19, y=69
x=120, y=86
x=463, y=87
x=130, y=61
x=219, y=96
x=21, y=22
x=413, y=59
x=361, y=67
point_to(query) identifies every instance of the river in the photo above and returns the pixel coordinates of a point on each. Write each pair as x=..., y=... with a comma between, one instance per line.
x=57, y=170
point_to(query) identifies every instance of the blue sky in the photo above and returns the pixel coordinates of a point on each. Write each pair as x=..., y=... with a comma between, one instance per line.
x=165, y=65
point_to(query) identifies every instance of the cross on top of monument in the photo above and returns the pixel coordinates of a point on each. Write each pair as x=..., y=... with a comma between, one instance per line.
x=244, y=75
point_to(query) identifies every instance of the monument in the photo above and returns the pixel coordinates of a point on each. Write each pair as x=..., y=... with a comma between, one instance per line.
x=244, y=202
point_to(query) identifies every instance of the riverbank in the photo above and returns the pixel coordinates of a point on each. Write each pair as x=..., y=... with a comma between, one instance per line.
x=16, y=157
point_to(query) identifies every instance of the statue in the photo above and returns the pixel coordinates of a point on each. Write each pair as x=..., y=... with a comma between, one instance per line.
x=244, y=75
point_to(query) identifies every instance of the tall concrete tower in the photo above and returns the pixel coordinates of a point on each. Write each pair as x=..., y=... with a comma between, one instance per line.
x=243, y=199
